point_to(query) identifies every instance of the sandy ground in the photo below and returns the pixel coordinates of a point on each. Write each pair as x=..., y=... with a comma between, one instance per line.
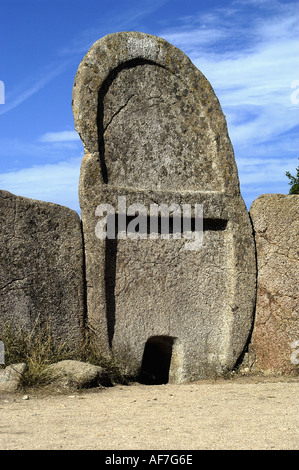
x=244, y=413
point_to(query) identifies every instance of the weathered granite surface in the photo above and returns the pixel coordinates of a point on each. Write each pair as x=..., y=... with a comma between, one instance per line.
x=154, y=132
x=276, y=328
x=41, y=275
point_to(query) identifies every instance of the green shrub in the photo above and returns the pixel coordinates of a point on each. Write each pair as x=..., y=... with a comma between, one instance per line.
x=294, y=182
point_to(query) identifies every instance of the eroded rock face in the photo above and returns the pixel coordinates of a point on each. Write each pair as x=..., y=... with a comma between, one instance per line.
x=276, y=329
x=154, y=133
x=41, y=275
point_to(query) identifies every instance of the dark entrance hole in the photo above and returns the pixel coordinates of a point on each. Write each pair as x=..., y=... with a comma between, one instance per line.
x=156, y=360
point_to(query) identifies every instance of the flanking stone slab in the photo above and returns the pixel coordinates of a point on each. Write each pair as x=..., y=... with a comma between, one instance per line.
x=41, y=275
x=274, y=345
x=154, y=133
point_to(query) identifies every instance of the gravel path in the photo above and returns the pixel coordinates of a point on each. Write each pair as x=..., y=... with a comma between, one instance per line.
x=224, y=414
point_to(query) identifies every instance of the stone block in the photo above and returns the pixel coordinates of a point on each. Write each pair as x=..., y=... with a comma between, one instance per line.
x=41, y=275
x=11, y=376
x=77, y=374
x=275, y=337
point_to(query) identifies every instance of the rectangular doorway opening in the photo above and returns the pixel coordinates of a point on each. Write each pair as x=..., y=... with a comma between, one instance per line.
x=156, y=360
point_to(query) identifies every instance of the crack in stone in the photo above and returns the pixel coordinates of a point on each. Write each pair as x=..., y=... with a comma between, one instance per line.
x=117, y=112
x=11, y=282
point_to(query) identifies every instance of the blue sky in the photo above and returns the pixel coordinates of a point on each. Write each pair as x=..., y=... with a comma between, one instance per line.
x=248, y=50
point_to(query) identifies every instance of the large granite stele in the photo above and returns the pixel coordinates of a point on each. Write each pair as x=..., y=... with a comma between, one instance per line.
x=154, y=132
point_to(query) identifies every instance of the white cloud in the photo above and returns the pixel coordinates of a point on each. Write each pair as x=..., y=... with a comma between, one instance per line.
x=197, y=37
x=251, y=63
x=56, y=183
x=62, y=136
x=251, y=69
x=264, y=175
x=259, y=170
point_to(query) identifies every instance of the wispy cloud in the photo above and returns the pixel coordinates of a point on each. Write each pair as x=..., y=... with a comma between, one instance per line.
x=250, y=83
x=61, y=136
x=257, y=170
x=29, y=87
x=250, y=56
x=261, y=176
x=56, y=183
x=78, y=45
